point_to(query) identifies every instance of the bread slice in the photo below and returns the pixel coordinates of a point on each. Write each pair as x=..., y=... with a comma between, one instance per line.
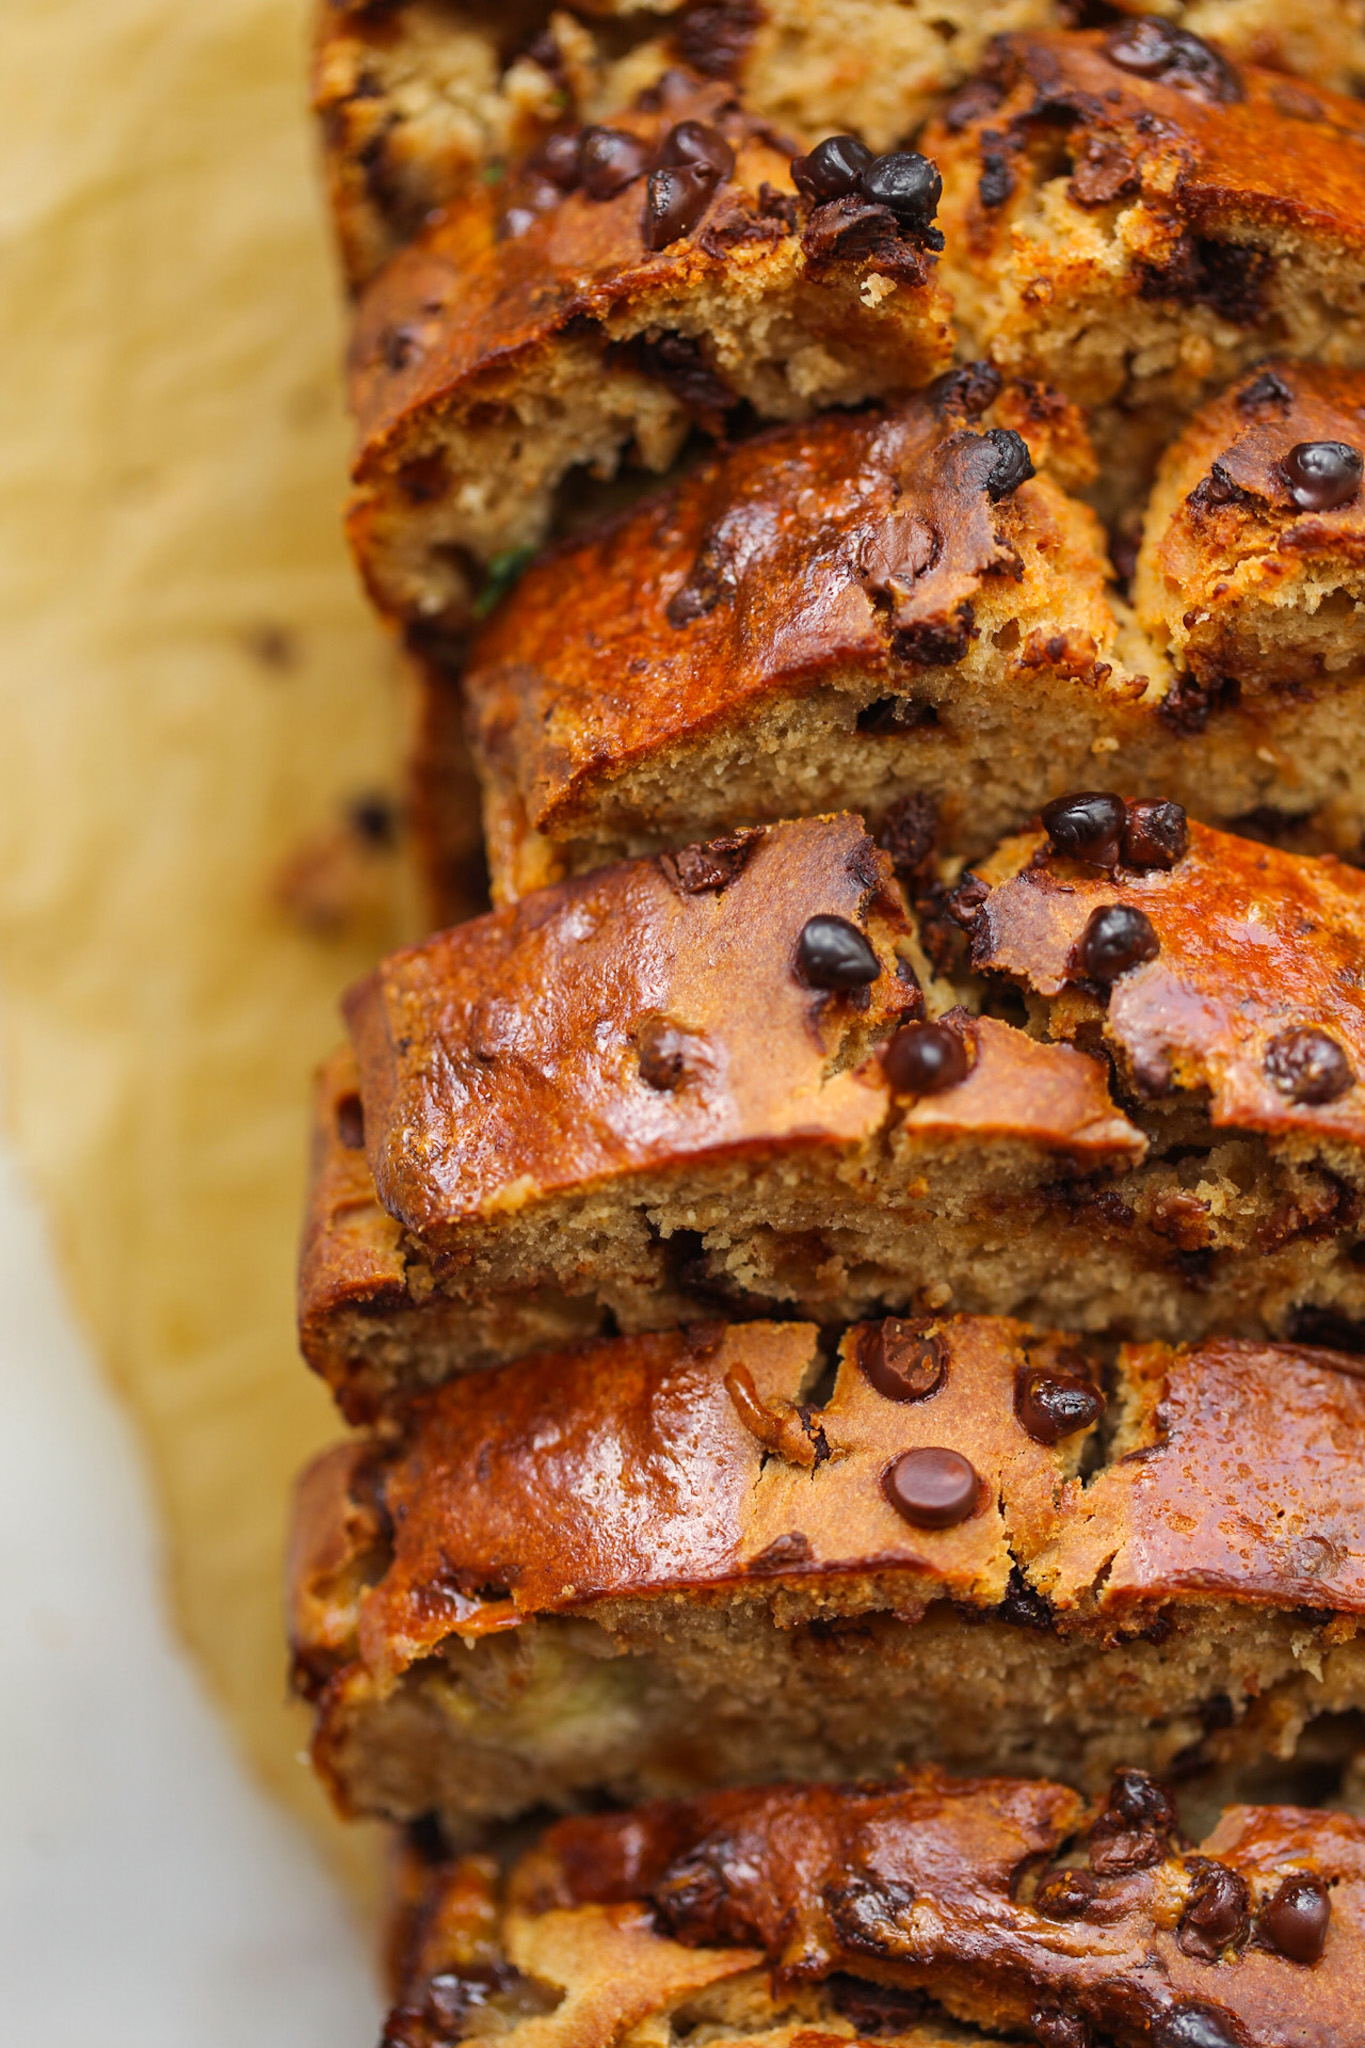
x=626, y=1099
x=1136, y=223
x=660, y=1564
x=532, y=333
x=848, y=613
x=926, y=1912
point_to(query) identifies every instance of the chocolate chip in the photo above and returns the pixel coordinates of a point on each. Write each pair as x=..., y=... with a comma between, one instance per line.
x=1154, y=49
x=1264, y=390
x=351, y=1123
x=906, y=183
x=714, y=37
x=832, y=953
x=1132, y=1833
x=1051, y=1405
x=1322, y=474
x=675, y=199
x=1294, y=1921
x=1156, y=835
x=1013, y=464
x=662, y=1051
x=1059, y=2029
x=559, y=157
x=969, y=389
x=1216, y=1916
x=901, y=1362
x=964, y=902
x=1066, y=1895
x=996, y=182
x=1086, y=825
x=932, y=1488
x=1197, y=2026
x=1138, y=1800
x=711, y=866
x=1308, y=1066
x=924, y=1059
x=696, y=142
x=832, y=169
x=608, y=160
x=1116, y=937
x=907, y=833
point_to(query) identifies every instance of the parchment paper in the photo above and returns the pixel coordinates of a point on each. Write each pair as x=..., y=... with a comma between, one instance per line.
x=193, y=698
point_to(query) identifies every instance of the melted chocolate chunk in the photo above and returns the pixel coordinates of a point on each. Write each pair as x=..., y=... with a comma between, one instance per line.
x=1308, y=1066
x=906, y=183
x=662, y=1051
x=1023, y=1607
x=1066, y=1895
x=1216, y=1916
x=1188, y=703
x=1295, y=1920
x=1051, y=1404
x=902, y=1362
x=700, y=1898
x=875, y=2008
x=1155, y=835
x=964, y=902
x=1134, y=1830
x=907, y=834
x=678, y=361
x=852, y=230
x=1116, y=938
x=970, y=389
x=1151, y=48
x=832, y=953
x=1086, y=825
x=996, y=182
x=608, y=161
x=1322, y=474
x=932, y=1488
x=712, y=866
x=1197, y=2026
x=1013, y=464
x=891, y=715
x=832, y=169
x=351, y=1123
x=1059, y=2029
x=924, y=1059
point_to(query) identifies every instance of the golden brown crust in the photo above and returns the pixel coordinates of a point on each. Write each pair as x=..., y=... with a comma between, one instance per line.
x=471, y=350
x=1132, y=239
x=1254, y=943
x=930, y=1885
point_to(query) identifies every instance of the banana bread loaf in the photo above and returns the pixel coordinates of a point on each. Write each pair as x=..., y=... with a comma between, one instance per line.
x=663, y=1563
x=728, y=1076
x=558, y=323
x=1132, y=217
x=927, y=1912
x=854, y=611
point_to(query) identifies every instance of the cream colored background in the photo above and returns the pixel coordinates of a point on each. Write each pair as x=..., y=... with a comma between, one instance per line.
x=190, y=693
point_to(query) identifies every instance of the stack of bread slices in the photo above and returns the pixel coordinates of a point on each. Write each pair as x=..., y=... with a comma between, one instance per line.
x=848, y=1281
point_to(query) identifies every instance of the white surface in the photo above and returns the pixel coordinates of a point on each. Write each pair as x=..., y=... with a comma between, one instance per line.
x=149, y=1896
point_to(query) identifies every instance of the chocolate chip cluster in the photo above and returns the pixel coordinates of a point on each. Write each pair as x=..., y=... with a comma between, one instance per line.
x=906, y=184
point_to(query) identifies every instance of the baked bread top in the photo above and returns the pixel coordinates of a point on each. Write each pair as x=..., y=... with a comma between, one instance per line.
x=1008, y=1904
x=536, y=328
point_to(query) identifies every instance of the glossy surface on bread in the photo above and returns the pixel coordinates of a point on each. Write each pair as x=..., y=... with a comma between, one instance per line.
x=931, y=1885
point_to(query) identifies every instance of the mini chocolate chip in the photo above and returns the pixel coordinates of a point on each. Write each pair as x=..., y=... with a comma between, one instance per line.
x=1294, y=1921
x=924, y=1059
x=662, y=1051
x=1308, y=1066
x=905, y=182
x=1116, y=937
x=1154, y=49
x=832, y=169
x=1066, y=1895
x=558, y=158
x=1156, y=835
x=608, y=161
x=901, y=1362
x=1197, y=2026
x=1059, y=2029
x=1013, y=464
x=1322, y=474
x=1086, y=825
x=932, y=1488
x=1051, y=1405
x=351, y=1123
x=695, y=142
x=1216, y=1916
x=832, y=953
x=675, y=199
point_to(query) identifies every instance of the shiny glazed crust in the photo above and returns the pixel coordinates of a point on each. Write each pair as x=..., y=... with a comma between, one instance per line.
x=679, y=1503
x=621, y=1099
x=485, y=369
x=1136, y=241
x=796, y=1914
x=767, y=637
